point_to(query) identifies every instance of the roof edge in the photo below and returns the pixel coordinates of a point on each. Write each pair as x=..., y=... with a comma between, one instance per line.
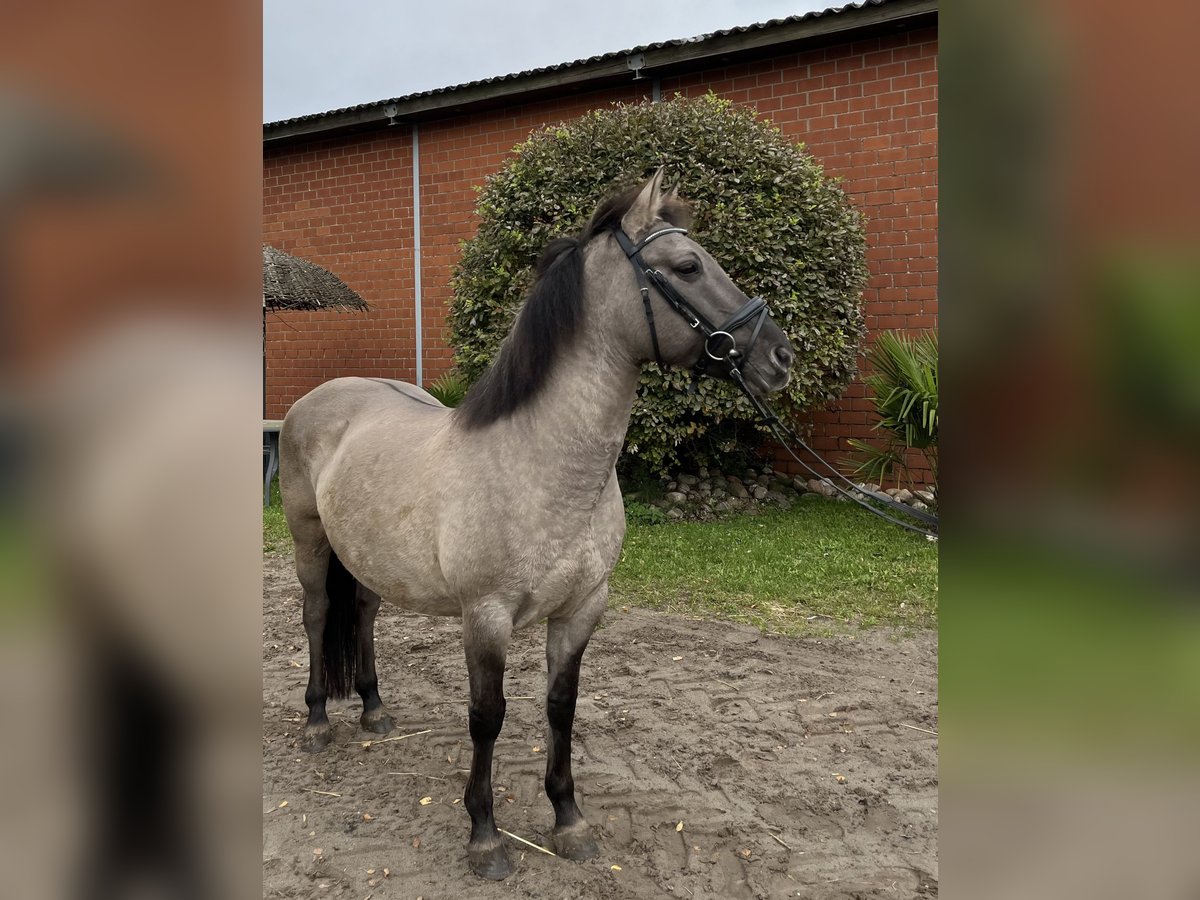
x=666, y=55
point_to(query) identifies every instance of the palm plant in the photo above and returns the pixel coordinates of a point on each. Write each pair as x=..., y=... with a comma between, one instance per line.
x=904, y=388
x=450, y=389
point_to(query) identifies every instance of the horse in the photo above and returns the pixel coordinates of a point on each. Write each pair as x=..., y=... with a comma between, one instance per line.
x=505, y=511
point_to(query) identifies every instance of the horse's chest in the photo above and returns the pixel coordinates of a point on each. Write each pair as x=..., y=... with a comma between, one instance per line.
x=564, y=570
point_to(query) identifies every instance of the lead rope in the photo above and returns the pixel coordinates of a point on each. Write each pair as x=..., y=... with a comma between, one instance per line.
x=782, y=431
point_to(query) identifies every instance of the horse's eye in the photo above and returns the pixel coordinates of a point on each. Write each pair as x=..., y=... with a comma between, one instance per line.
x=687, y=268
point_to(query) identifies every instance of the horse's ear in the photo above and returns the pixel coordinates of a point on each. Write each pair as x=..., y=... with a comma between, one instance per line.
x=644, y=211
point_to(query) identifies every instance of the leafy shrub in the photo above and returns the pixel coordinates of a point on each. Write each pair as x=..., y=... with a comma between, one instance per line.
x=763, y=208
x=904, y=388
x=450, y=389
x=638, y=513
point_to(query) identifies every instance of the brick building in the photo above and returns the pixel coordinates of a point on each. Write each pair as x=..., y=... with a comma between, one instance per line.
x=383, y=193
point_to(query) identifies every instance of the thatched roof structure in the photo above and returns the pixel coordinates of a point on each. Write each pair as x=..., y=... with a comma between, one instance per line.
x=293, y=283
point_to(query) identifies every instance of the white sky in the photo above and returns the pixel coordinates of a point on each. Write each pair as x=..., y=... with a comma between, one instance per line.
x=320, y=55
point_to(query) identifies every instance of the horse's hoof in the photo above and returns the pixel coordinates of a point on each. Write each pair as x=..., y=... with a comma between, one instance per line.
x=575, y=843
x=316, y=739
x=377, y=721
x=492, y=863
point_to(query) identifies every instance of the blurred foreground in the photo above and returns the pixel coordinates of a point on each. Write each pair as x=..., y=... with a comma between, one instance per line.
x=1070, y=626
x=129, y=388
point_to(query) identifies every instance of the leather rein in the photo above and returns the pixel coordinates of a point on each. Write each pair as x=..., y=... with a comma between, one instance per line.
x=753, y=311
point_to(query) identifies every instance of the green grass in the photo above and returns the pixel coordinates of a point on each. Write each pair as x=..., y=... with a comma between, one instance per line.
x=774, y=571
x=275, y=531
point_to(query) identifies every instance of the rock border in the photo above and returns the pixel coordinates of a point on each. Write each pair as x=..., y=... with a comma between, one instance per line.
x=707, y=495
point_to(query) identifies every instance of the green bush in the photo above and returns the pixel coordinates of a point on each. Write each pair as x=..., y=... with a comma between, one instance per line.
x=763, y=208
x=904, y=388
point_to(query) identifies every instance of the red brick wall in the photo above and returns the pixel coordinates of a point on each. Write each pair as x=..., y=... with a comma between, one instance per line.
x=867, y=110
x=348, y=207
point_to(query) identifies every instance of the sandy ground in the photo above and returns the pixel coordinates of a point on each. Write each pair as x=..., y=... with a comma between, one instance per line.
x=739, y=736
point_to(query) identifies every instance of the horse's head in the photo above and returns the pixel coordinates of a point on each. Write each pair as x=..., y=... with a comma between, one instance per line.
x=675, y=302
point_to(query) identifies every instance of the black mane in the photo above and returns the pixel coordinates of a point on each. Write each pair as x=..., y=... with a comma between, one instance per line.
x=550, y=319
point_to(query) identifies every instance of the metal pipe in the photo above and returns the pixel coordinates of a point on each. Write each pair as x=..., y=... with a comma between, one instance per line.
x=416, y=179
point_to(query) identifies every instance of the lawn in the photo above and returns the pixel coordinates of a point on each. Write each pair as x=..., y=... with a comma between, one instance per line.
x=819, y=565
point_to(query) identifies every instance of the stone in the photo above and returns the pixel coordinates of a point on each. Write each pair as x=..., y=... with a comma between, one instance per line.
x=739, y=490
x=775, y=497
x=760, y=493
x=704, y=488
x=703, y=472
x=924, y=496
x=719, y=493
x=822, y=487
x=892, y=492
x=871, y=487
x=751, y=474
x=674, y=513
x=685, y=478
x=733, y=479
x=811, y=496
x=904, y=495
x=768, y=470
x=764, y=480
x=917, y=504
x=800, y=485
x=671, y=486
x=675, y=497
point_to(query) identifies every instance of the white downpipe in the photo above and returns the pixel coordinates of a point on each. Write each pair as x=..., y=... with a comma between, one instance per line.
x=416, y=177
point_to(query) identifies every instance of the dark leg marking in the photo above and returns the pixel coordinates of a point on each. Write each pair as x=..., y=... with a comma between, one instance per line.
x=375, y=716
x=485, y=664
x=317, y=734
x=572, y=834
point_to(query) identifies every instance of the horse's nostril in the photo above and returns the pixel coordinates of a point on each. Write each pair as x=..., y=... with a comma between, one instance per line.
x=783, y=357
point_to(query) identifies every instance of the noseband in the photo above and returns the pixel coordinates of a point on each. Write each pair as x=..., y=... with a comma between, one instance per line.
x=719, y=343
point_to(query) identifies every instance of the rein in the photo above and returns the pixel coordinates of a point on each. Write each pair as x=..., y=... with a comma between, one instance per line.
x=753, y=310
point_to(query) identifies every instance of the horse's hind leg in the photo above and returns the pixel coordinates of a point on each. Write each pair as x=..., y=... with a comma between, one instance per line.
x=566, y=639
x=374, y=715
x=312, y=566
x=485, y=638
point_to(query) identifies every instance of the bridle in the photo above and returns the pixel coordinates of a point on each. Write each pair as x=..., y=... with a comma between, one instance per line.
x=753, y=310
x=716, y=337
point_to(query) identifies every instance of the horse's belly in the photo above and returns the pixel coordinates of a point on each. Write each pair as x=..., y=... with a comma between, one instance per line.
x=426, y=606
x=404, y=574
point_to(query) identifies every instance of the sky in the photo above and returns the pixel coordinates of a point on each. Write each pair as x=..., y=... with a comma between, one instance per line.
x=320, y=55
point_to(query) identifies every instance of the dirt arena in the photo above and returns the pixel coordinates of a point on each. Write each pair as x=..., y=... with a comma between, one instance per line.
x=712, y=761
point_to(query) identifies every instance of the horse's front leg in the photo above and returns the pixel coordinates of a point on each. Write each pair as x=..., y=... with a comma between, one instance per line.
x=566, y=639
x=486, y=630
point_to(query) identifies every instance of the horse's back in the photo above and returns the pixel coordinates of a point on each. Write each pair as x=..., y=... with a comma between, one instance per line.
x=317, y=426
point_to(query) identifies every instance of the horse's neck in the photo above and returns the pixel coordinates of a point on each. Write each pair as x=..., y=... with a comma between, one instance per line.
x=569, y=437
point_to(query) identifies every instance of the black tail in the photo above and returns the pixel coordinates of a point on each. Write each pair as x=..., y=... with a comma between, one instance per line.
x=340, y=645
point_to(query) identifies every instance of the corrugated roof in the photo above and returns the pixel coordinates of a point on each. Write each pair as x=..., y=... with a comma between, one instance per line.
x=580, y=63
